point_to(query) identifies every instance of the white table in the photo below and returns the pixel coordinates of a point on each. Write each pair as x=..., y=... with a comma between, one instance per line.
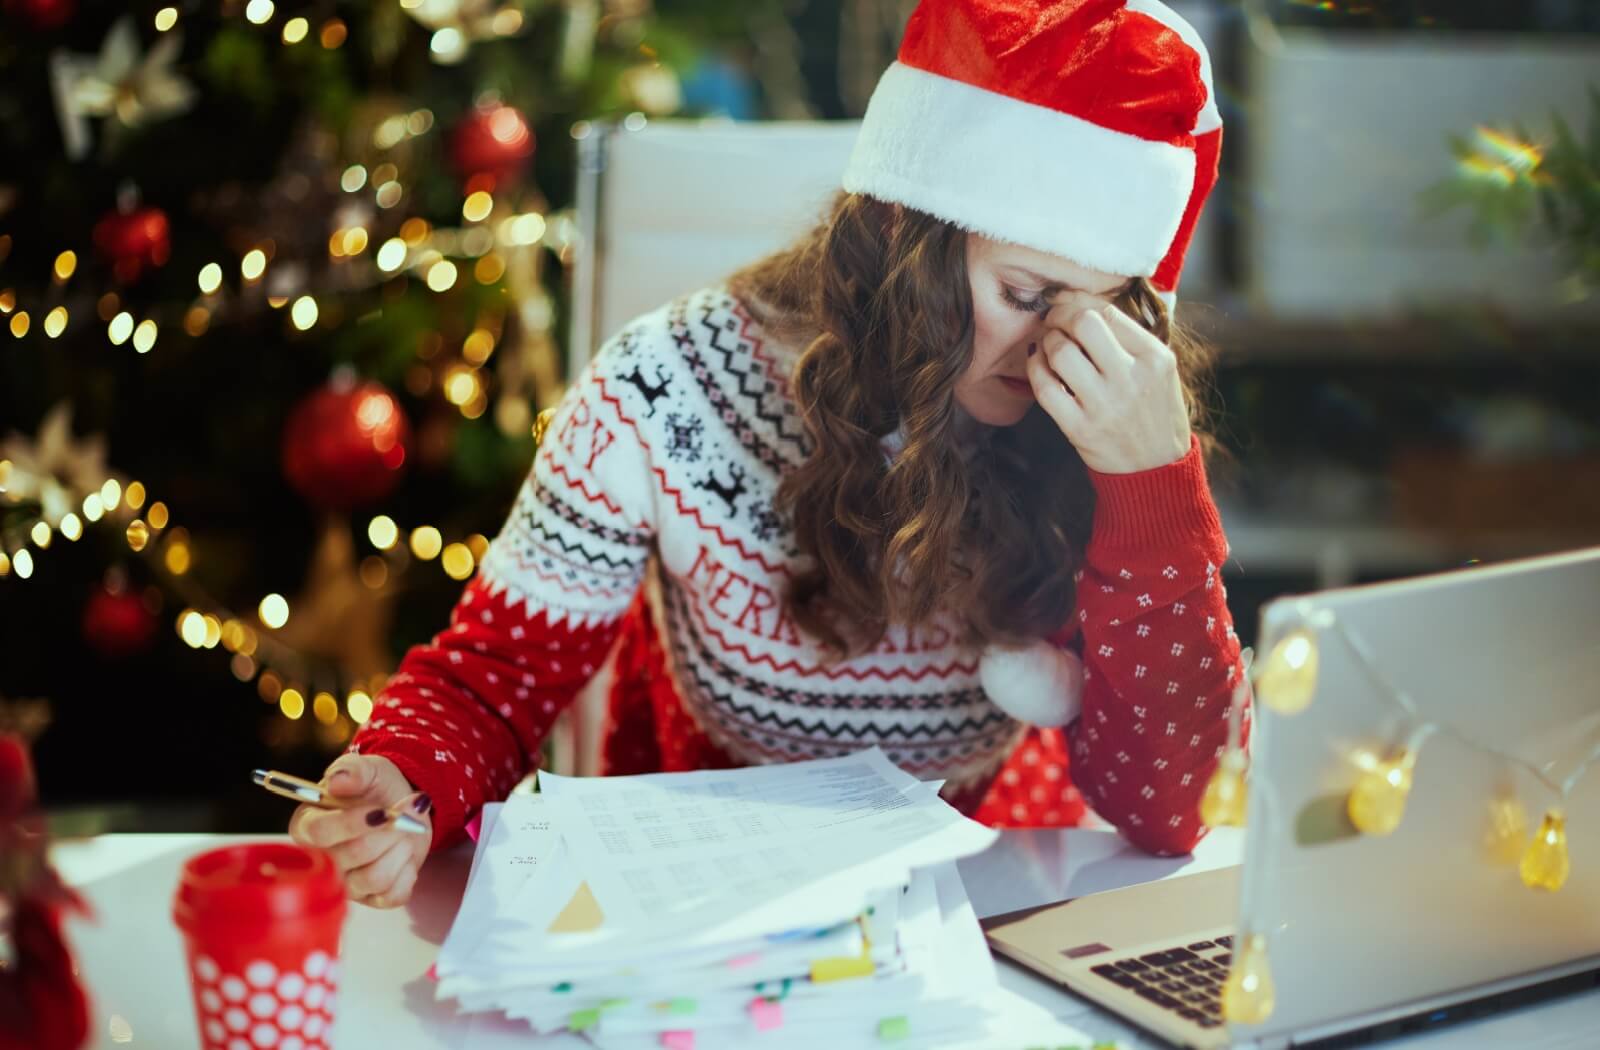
x=132, y=960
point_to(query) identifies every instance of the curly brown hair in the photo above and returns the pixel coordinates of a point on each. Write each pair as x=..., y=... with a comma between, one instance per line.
x=991, y=532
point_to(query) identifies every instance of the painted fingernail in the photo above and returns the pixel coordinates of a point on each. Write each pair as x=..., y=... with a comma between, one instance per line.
x=422, y=804
x=377, y=817
x=1033, y=348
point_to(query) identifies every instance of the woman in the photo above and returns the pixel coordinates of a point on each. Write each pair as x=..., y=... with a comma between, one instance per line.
x=875, y=472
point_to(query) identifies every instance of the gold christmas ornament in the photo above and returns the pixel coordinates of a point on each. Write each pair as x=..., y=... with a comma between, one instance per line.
x=1507, y=829
x=1378, y=801
x=1545, y=864
x=1287, y=679
x=1248, y=995
x=1225, y=799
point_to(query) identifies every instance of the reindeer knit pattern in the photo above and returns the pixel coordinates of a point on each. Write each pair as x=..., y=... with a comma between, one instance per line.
x=673, y=442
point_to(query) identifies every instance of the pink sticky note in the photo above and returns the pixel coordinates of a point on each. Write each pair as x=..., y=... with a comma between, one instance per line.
x=767, y=1015
x=433, y=972
x=744, y=960
x=474, y=826
x=679, y=1040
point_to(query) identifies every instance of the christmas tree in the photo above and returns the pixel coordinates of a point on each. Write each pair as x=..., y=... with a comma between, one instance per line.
x=282, y=286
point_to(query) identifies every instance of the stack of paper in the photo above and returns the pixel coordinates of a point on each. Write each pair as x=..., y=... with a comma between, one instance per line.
x=804, y=905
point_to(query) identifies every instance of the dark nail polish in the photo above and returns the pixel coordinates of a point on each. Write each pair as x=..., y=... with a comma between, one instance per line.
x=377, y=817
x=422, y=804
x=1033, y=348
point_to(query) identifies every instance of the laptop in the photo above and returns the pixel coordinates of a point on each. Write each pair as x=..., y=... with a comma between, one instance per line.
x=1369, y=937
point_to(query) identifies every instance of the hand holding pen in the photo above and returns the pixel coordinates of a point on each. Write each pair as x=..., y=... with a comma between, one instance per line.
x=369, y=818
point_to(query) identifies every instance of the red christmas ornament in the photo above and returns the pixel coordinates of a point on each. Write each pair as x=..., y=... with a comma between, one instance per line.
x=344, y=445
x=116, y=623
x=41, y=15
x=493, y=141
x=133, y=241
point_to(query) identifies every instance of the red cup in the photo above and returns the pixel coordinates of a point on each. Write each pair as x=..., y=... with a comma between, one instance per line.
x=261, y=924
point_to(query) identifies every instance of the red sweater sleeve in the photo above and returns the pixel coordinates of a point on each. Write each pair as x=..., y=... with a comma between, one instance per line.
x=464, y=715
x=1160, y=654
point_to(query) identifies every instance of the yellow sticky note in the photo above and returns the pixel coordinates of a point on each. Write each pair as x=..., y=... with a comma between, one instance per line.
x=581, y=914
x=840, y=969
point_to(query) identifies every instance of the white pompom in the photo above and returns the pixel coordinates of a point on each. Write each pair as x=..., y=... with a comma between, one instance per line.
x=1039, y=683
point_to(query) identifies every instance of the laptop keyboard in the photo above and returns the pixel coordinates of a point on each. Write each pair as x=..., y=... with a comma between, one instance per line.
x=1184, y=980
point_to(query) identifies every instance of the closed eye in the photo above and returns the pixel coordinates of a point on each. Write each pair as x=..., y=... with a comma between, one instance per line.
x=1033, y=304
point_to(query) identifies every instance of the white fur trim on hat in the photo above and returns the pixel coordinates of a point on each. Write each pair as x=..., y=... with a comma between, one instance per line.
x=1021, y=173
x=1039, y=684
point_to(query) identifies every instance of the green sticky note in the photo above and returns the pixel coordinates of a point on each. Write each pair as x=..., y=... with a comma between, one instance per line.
x=583, y=1019
x=612, y=1004
x=891, y=1029
x=682, y=1006
x=564, y=986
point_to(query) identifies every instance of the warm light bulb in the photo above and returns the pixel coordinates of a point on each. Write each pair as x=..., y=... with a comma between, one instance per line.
x=144, y=337
x=210, y=278
x=392, y=255
x=138, y=534
x=426, y=542
x=295, y=30
x=1288, y=677
x=1507, y=829
x=22, y=564
x=1545, y=865
x=94, y=508
x=304, y=312
x=120, y=329
x=254, y=264
x=192, y=626
x=1224, y=801
x=383, y=532
x=41, y=535
x=442, y=275
x=274, y=611
x=71, y=527
x=457, y=561
x=1248, y=995
x=291, y=703
x=326, y=708
x=66, y=264
x=1378, y=801
x=55, y=322
x=359, y=704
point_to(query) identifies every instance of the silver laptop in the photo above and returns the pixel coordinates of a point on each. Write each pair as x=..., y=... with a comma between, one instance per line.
x=1379, y=935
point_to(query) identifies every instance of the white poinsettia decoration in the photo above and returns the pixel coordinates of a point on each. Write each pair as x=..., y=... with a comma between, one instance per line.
x=119, y=83
x=54, y=470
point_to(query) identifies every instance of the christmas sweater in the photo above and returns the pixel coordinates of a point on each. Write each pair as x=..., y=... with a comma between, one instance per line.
x=664, y=458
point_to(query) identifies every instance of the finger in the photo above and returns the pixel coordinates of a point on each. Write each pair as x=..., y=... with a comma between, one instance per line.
x=1102, y=347
x=361, y=850
x=350, y=776
x=398, y=893
x=326, y=828
x=1068, y=304
x=1134, y=337
x=378, y=876
x=1067, y=360
x=1053, y=397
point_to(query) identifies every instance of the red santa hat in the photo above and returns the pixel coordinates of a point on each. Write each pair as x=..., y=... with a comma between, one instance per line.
x=1086, y=129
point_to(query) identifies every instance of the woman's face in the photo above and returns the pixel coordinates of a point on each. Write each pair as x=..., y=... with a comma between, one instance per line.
x=1009, y=287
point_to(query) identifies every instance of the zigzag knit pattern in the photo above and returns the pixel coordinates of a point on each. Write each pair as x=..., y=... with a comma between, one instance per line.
x=673, y=442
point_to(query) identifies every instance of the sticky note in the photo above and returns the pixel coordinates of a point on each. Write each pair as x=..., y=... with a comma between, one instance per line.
x=580, y=914
x=681, y=1006
x=581, y=1019
x=564, y=986
x=766, y=1014
x=740, y=961
x=433, y=972
x=840, y=969
x=612, y=1004
x=679, y=1040
x=891, y=1029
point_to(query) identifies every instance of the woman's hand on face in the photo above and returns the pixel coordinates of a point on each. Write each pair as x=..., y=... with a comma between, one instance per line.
x=1111, y=387
x=379, y=863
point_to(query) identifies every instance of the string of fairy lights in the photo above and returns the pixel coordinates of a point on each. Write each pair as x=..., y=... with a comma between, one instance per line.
x=1375, y=805
x=256, y=654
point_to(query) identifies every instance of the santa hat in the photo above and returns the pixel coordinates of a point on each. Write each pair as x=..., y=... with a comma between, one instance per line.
x=1086, y=129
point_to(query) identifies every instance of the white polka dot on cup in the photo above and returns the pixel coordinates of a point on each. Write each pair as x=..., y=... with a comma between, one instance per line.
x=233, y=989
x=291, y=1017
x=261, y=974
x=239, y=1044
x=313, y=1026
x=206, y=968
x=316, y=964
x=290, y=987
x=315, y=994
x=263, y=1005
x=215, y=1032
x=236, y=1020
x=264, y=1036
x=292, y=1042
x=210, y=1001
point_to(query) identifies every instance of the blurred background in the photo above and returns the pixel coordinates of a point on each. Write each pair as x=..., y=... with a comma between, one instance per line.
x=284, y=286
